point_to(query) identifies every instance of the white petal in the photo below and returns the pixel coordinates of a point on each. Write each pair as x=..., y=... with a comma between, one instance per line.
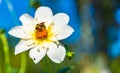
x=19, y=32
x=43, y=14
x=64, y=32
x=61, y=19
x=53, y=39
x=56, y=53
x=27, y=21
x=21, y=47
x=37, y=53
x=44, y=44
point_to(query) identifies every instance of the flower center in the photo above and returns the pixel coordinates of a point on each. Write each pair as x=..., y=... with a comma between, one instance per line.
x=40, y=31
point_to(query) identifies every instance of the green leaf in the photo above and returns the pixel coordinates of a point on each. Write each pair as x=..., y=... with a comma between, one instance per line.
x=70, y=54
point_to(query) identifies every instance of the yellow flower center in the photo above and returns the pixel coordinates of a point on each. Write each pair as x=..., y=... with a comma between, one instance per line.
x=40, y=31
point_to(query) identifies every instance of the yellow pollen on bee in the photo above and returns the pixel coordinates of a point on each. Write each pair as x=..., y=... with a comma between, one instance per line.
x=40, y=31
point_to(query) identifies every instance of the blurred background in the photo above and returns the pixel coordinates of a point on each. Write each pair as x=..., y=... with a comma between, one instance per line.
x=94, y=47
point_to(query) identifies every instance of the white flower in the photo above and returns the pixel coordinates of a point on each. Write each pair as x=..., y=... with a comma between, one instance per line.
x=42, y=33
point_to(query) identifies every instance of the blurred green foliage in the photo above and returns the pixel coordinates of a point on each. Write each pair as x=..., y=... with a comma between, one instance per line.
x=35, y=3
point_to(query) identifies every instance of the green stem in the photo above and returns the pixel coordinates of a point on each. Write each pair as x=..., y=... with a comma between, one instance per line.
x=5, y=50
x=43, y=63
x=49, y=65
x=46, y=65
x=23, y=63
x=57, y=68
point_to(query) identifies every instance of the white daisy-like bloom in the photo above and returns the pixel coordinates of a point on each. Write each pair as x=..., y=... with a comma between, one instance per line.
x=41, y=34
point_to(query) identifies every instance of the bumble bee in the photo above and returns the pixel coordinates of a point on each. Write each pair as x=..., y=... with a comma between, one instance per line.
x=40, y=27
x=41, y=31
